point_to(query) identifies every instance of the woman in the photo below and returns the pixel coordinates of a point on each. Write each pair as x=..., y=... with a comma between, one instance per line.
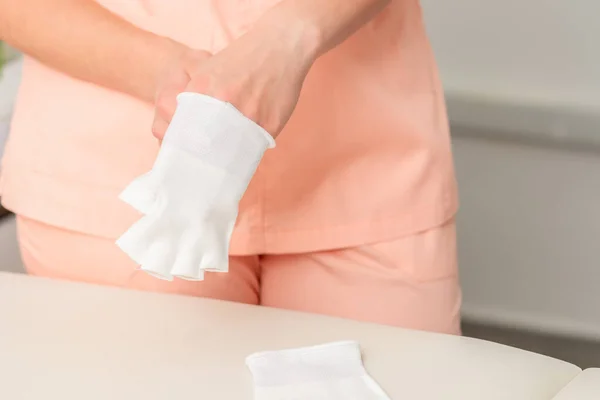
x=352, y=213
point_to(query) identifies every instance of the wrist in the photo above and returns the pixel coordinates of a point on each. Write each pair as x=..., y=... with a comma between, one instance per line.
x=162, y=53
x=309, y=36
x=300, y=34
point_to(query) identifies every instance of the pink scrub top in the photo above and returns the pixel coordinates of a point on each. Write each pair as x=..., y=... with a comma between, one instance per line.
x=365, y=158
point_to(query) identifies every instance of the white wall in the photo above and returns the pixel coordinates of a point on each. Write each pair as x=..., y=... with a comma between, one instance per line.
x=529, y=226
x=529, y=236
x=10, y=259
x=9, y=252
x=9, y=83
x=543, y=50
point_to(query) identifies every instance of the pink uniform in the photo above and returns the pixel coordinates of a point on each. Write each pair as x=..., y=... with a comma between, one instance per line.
x=365, y=159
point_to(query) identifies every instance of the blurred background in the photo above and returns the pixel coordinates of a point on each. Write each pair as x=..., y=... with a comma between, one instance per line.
x=522, y=83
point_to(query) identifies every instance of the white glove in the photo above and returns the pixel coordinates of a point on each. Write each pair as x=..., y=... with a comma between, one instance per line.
x=190, y=197
x=332, y=371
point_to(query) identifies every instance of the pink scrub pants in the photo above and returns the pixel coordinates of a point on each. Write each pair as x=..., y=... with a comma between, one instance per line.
x=410, y=282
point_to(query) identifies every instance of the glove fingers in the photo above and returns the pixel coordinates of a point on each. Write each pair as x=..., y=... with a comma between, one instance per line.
x=144, y=243
x=141, y=193
x=215, y=249
x=159, y=259
x=135, y=240
x=187, y=261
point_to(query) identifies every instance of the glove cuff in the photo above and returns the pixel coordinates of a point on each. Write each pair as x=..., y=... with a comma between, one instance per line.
x=218, y=134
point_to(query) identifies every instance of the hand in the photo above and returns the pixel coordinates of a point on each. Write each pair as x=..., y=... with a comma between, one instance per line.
x=174, y=80
x=261, y=74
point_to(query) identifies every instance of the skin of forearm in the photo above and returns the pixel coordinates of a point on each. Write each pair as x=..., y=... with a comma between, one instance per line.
x=88, y=42
x=321, y=25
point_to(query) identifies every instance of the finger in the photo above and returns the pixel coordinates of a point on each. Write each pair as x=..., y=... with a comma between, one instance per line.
x=195, y=61
x=159, y=127
x=200, y=55
x=166, y=104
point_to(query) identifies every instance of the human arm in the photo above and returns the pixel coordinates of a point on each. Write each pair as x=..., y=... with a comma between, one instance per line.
x=322, y=25
x=88, y=42
x=261, y=73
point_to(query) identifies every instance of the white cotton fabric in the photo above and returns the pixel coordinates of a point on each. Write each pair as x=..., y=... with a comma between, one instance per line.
x=190, y=197
x=331, y=371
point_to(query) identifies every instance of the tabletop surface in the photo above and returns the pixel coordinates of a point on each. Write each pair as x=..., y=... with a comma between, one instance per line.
x=67, y=341
x=585, y=386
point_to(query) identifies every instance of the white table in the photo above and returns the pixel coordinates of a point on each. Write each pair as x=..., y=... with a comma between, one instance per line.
x=67, y=341
x=586, y=386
